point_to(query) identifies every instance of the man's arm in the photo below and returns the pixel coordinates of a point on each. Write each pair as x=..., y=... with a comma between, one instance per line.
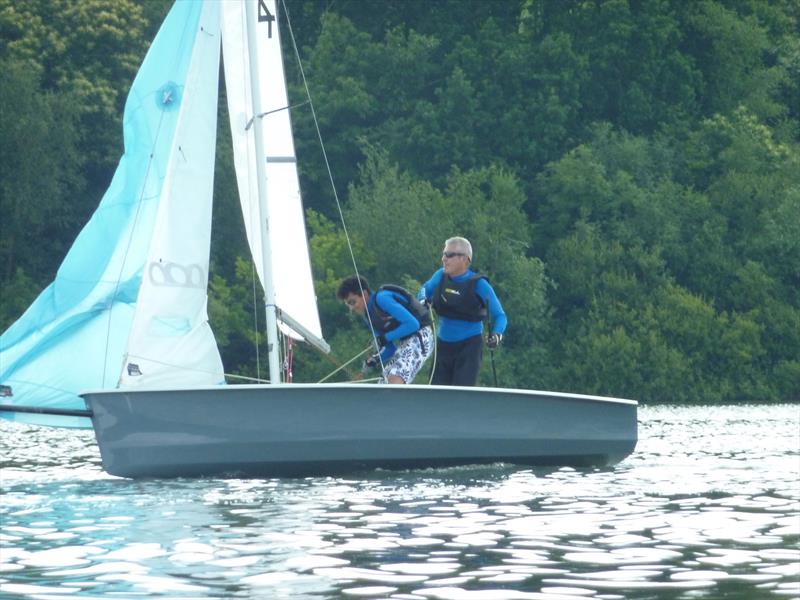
x=498, y=315
x=429, y=287
x=408, y=323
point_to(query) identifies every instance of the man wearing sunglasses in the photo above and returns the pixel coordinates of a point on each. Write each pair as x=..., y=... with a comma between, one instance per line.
x=400, y=323
x=462, y=298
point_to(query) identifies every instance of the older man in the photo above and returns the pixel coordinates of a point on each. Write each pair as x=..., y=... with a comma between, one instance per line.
x=462, y=298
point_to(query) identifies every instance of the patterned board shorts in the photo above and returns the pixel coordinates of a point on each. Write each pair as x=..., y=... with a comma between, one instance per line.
x=410, y=355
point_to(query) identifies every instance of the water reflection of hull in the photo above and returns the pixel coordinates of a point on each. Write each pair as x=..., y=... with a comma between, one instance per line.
x=300, y=429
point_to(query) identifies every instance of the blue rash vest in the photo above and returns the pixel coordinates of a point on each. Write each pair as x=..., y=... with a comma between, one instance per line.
x=390, y=303
x=457, y=330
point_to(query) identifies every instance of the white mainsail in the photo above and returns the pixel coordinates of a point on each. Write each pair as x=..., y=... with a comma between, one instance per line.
x=285, y=264
x=170, y=342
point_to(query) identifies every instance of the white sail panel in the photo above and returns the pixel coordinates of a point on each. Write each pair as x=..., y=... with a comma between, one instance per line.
x=171, y=342
x=284, y=224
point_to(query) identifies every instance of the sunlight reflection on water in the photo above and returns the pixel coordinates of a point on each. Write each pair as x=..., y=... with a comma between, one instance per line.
x=708, y=506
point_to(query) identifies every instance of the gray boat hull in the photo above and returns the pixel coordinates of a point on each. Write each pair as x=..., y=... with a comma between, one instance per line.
x=322, y=429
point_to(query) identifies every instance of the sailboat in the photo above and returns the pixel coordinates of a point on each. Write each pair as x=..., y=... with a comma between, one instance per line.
x=121, y=338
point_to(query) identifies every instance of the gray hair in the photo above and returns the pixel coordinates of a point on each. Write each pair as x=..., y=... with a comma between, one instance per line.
x=461, y=244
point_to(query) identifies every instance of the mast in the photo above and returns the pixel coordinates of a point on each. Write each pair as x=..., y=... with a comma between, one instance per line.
x=251, y=18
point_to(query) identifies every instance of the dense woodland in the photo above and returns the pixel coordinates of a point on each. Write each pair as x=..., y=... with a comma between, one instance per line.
x=627, y=170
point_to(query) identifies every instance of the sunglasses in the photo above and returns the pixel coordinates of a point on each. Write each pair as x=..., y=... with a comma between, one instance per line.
x=452, y=254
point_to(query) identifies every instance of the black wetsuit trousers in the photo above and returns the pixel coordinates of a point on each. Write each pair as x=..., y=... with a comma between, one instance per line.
x=458, y=363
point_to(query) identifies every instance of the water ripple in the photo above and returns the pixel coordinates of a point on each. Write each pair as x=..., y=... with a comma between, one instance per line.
x=708, y=506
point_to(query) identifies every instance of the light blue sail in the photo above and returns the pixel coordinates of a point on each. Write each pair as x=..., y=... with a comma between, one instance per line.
x=73, y=337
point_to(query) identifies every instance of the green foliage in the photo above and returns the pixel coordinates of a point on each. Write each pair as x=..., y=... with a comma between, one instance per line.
x=229, y=240
x=674, y=281
x=397, y=217
x=751, y=182
x=39, y=173
x=236, y=315
x=732, y=48
x=18, y=293
x=90, y=50
x=331, y=262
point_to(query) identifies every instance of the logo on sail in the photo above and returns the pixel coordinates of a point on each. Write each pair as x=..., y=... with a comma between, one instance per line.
x=176, y=275
x=168, y=96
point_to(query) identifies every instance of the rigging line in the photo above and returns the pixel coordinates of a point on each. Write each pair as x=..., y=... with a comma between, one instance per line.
x=171, y=365
x=245, y=378
x=274, y=110
x=282, y=344
x=255, y=317
x=331, y=360
x=433, y=357
x=329, y=375
x=327, y=163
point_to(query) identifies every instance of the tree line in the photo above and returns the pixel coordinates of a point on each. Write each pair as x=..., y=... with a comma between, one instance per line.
x=628, y=172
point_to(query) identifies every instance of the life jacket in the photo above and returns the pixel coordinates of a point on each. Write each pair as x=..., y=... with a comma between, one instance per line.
x=383, y=322
x=459, y=300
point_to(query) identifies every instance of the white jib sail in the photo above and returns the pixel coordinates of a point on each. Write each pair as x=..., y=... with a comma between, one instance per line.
x=284, y=223
x=171, y=343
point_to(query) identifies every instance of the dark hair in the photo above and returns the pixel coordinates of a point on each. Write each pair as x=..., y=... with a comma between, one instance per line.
x=352, y=285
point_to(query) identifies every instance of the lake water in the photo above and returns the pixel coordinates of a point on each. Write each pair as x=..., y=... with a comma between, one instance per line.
x=707, y=507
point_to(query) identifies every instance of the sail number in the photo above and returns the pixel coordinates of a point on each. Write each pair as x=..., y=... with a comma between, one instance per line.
x=265, y=15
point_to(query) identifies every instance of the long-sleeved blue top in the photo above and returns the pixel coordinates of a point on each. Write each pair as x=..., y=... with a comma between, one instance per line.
x=389, y=302
x=456, y=330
